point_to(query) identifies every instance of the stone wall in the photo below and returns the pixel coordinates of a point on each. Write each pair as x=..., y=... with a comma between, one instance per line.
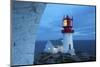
x=25, y=20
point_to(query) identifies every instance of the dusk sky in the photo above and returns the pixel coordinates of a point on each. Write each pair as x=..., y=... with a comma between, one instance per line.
x=83, y=21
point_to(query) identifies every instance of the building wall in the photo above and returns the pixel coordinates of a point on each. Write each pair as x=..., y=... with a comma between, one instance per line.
x=25, y=20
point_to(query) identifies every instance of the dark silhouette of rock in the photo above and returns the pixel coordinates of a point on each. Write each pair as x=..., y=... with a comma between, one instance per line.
x=48, y=58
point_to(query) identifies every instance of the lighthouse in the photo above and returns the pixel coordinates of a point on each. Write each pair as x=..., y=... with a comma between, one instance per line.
x=68, y=35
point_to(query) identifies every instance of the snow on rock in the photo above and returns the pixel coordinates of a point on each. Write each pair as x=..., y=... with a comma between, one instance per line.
x=25, y=20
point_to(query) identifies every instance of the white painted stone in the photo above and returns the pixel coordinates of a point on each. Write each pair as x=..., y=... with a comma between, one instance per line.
x=68, y=44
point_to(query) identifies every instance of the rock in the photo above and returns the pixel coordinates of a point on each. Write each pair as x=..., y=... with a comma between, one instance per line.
x=84, y=56
x=57, y=58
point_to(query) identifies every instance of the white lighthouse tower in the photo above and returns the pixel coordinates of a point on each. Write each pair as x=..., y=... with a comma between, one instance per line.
x=68, y=35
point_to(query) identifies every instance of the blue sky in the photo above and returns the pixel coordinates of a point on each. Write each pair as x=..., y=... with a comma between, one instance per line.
x=51, y=21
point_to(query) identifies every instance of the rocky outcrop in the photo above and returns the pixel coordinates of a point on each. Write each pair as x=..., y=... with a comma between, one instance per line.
x=48, y=58
x=25, y=20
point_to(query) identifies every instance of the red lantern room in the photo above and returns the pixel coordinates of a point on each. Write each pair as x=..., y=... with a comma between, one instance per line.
x=67, y=25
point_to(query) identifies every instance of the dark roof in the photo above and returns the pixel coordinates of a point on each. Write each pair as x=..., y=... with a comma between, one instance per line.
x=56, y=42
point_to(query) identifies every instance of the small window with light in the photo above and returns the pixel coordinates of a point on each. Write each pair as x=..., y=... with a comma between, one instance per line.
x=65, y=23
